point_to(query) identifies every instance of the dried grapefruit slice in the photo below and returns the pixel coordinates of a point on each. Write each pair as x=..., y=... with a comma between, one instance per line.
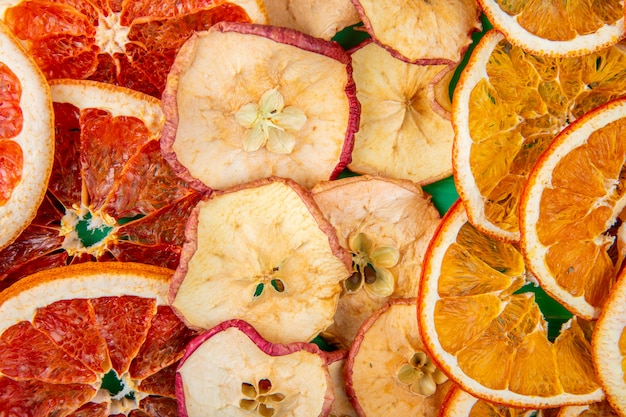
x=571, y=210
x=86, y=337
x=276, y=103
x=111, y=195
x=405, y=129
x=385, y=224
x=609, y=347
x=388, y=371
x=26, y=138
x=131, y=43
x=231, y=370
x=487, y=333
x=507, y=108
x=261, y=252
x=421, y=31
x=557, y=28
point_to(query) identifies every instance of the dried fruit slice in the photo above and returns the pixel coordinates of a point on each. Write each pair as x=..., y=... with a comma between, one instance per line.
x=385, y=225
x=341, y=404
x=609, y=347
x=26, y=138
x=131, y=43
x=321, y=19
x=558, y=28
x=421, y=31
x=405, y=129
x=388, y=370
x=111, y=195
x=572, y=210
x=487, y=333
x=230, y=370
x=86, y=337
x=261, y=252
x=277, y=103
x=507, y=107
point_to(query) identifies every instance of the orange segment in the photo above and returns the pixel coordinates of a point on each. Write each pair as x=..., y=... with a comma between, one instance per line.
x=10, y=111
x=11, y=164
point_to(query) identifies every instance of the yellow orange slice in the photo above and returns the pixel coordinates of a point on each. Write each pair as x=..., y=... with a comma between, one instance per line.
x=490, y=337
x=571, y=211
x=507, y=108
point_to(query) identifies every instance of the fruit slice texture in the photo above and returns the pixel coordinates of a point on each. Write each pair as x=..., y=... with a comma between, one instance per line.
x=65, y=331
x=230, y=370
x=341, y=407
x=389, y=357
x=405, y=129
x=109, y=184
x=26, y=138
x=261, y=252
x=421, y=32
x=385, y=225
x=507, y=108
x=609, y=347
x=490, y=337
x=132, y=43
x=245, y=102
x=558, y=28
x=571, y=211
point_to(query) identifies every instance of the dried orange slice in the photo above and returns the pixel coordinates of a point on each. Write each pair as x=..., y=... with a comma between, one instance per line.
x=385, y=224
x=507, y=108
x=26, y=138
x=487, y=333
x=609, y=347
x=131, y=43
x=571, y=211
x=89, y=337
x=276, y=103
x=557, y=28
x=111, y=195
x=405, y=129
x=388, y=370
x=261, y=252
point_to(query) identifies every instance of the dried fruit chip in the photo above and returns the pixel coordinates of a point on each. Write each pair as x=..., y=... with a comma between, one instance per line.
x=230, y=370
x=261, y=252
x=341, y=405
x=245, y=102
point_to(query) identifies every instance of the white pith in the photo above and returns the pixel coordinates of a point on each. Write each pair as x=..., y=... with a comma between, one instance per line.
x=72, y=242
x=111, y=36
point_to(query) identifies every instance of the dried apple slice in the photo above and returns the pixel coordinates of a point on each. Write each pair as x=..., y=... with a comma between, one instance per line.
x=245, y=101
x=230, y=370
x=261, y=252
x=421, y=31
x=405, y=125
x=388, y=370
x=386, y=225
x=341, y=405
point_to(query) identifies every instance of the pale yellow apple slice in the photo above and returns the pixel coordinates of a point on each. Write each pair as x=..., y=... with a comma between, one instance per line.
x=261, y=252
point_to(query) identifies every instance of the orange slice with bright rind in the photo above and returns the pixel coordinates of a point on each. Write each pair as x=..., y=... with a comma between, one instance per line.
x=26, y=138
x=507, y=108
x=488, y=336
x=66, y=333
x=609, y=347
x=558, y=28
x=571, y=211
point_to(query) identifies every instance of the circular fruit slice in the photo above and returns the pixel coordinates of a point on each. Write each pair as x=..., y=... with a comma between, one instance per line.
x=111, y=195
x=388, y=370
x=421, y=31
x=131, y=43
x=261, y=252
x=486, y=331
x=26, y=138
x=507, y=108
x=385, y=225
x=276, y=103
x=609, y=347
x=571, y=211
x=405, y=129
x=558, y=28
x=230, y=370
x=89, y=336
